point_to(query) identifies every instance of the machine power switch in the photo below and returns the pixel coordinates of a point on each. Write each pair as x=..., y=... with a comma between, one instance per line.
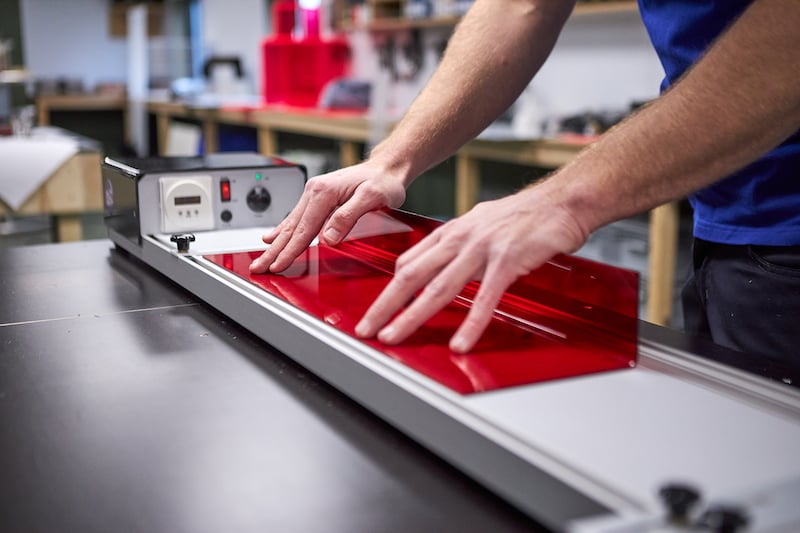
x=225, y=190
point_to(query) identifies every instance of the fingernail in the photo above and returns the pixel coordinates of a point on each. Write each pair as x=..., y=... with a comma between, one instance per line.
x=332, y=235
x=387, y=334
x=363, y=328
x=459, y=344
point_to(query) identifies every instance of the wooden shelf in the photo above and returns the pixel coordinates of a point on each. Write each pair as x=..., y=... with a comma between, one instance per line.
x=78, y=102
x=601, y=8
x=118, y=19
x=397, y=24
x=402, y=23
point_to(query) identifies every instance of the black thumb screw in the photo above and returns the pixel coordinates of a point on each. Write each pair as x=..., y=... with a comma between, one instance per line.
x=679, y=500
x=182, y=240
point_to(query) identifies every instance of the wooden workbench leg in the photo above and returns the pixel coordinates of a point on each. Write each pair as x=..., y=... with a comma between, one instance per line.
x=211, y=134
x=267, y=142
x=468, y=181
x=43, y=113
x=348, y=153
x=662, y=257
x=162, y=131
x=126, y=128
x=69, y=228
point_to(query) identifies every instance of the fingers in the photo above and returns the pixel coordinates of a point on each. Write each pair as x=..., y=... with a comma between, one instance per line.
x=278, y=237
x=368, y=196
x=441, y=286
x=295, y=233
x=319, y=208
x=400, y=290
x=442, y=275
x=495, y=282
x=295, y=236
x=342, y=220
x=441, y=265
x=421, y=248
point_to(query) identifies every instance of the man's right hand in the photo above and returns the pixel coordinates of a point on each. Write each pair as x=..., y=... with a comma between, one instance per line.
x=330, y=206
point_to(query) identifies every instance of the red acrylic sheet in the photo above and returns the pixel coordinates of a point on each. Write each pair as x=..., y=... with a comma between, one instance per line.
x=570, y=317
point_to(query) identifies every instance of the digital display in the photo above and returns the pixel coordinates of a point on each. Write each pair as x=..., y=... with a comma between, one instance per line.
x=187, y=200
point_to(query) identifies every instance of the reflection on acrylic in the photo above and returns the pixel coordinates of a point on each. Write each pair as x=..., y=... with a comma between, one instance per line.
x=568, y=318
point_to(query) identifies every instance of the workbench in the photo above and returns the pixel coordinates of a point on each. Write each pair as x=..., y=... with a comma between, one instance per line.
x=129, y=405
x=352, y=129
x=72, y=189
x=349, y=128
x=45, y=104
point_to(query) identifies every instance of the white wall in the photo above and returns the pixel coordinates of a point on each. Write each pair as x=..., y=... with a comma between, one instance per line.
x=603, y=60
x=71, y=39
x=600, y=62
x=236, y=27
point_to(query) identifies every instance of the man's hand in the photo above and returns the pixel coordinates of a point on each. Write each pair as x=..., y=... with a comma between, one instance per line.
x=496, y=241
x=336, y=201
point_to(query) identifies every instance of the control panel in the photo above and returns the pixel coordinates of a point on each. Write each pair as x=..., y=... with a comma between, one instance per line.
x=218, y=198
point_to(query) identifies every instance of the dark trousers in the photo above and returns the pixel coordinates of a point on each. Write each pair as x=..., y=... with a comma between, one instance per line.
x=746, y=298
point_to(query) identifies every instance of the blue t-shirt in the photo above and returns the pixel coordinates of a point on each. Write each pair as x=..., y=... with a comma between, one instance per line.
x=759, y=204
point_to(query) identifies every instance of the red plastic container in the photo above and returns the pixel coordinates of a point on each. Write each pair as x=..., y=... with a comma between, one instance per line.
x=296, y=69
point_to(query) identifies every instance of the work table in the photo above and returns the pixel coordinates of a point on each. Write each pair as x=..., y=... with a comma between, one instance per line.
x=129, y=405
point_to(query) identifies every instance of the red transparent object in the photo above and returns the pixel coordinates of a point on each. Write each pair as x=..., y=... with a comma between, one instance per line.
x=568, y=318
x=295, y=69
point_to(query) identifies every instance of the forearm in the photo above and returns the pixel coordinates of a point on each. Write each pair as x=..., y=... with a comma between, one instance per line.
x=738, y=102
x=493, y=54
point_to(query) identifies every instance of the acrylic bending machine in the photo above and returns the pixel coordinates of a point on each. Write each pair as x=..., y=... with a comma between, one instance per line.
x=562, y=409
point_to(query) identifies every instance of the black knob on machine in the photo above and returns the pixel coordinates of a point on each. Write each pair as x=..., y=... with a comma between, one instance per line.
x=723, y=519
x=182, y=240
x=258, y=199
x=679, y=500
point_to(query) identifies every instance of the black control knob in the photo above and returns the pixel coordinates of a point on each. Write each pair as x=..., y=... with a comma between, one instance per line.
x=258, y=199
x=182, y=240
x=226, y=216
x=679, y=500
x=723, y=519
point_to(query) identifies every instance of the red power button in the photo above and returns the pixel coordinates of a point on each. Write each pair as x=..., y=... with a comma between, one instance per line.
x=225, y=189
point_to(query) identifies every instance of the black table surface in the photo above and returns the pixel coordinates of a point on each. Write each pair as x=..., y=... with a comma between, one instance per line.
x=128, y=405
